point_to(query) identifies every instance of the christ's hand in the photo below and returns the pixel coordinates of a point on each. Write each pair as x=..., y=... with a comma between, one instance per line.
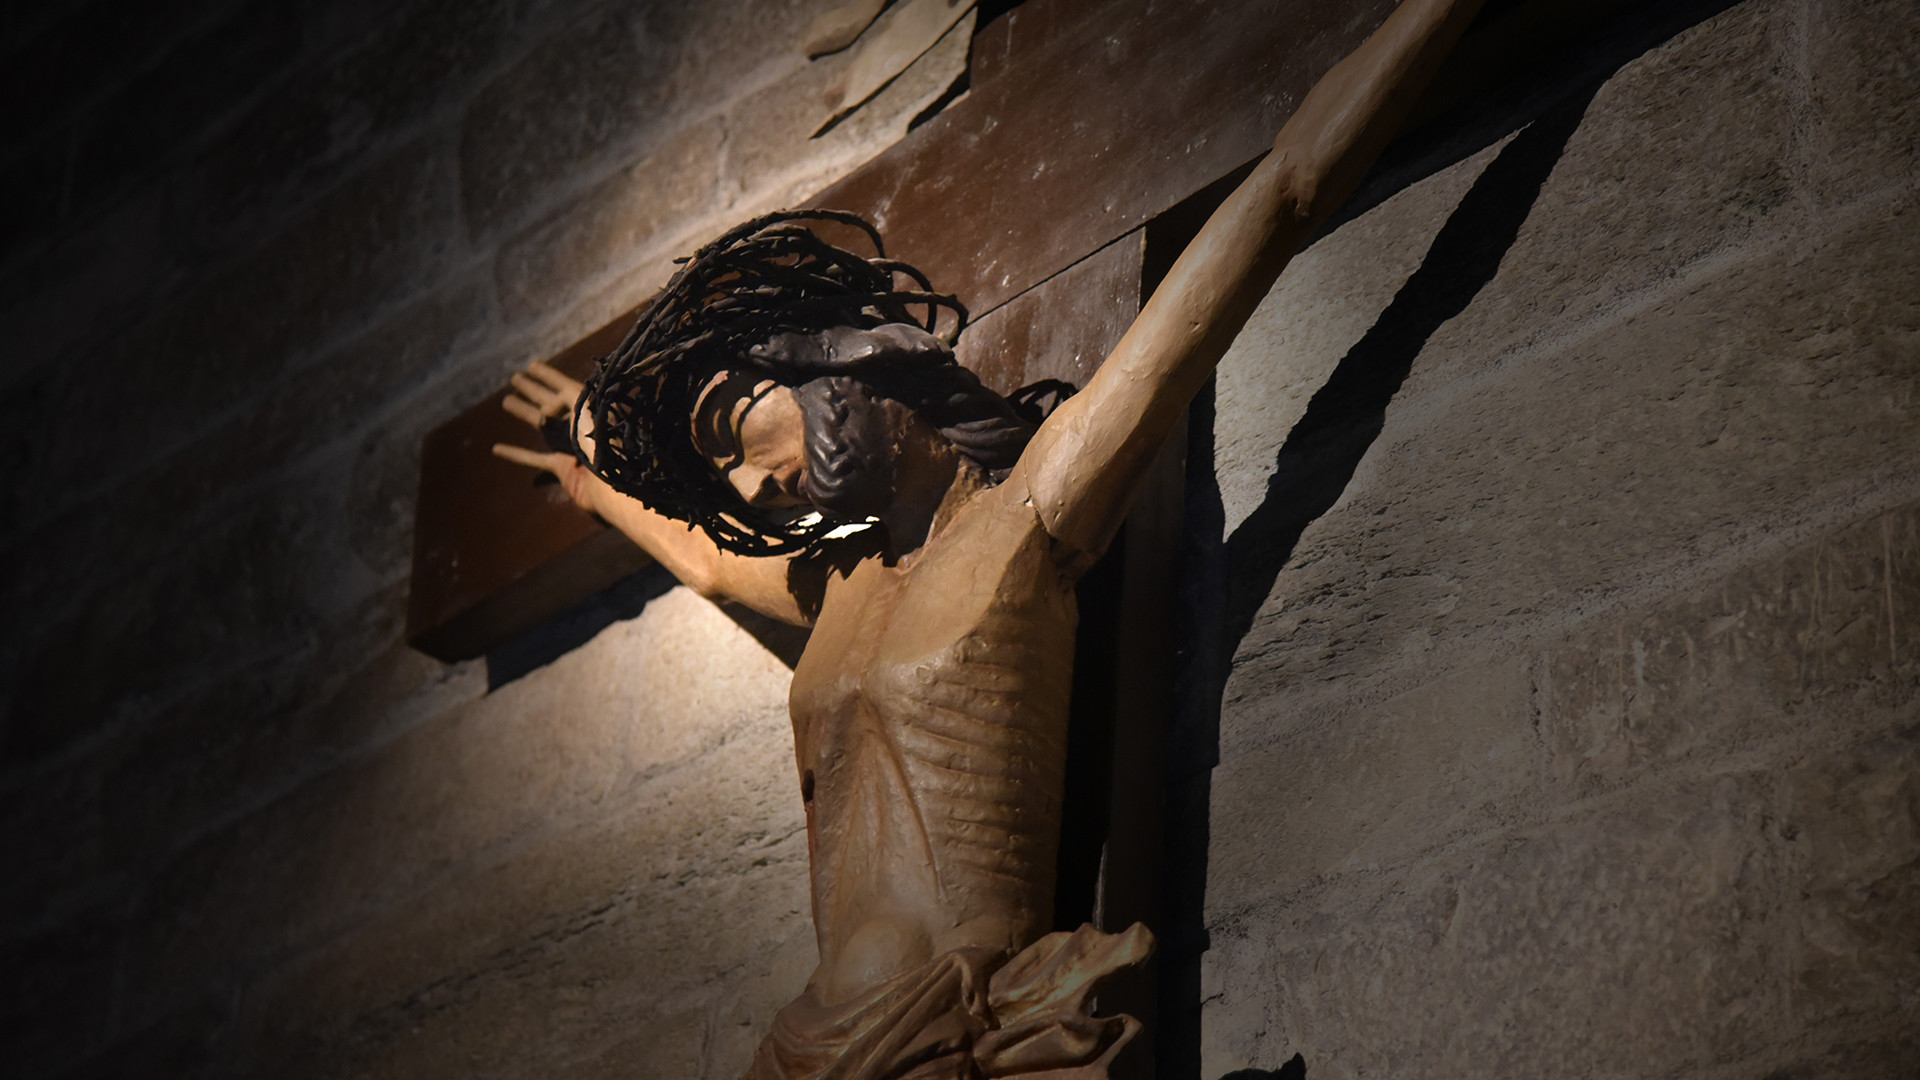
x=542, y=395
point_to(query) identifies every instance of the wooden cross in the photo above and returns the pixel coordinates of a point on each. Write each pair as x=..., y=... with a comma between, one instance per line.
x=1091, y=143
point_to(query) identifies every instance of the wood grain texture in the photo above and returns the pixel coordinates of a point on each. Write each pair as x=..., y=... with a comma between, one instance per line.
x=1085, y=128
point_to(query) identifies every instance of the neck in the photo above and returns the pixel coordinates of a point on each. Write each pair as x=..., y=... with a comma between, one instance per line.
x=911, y=522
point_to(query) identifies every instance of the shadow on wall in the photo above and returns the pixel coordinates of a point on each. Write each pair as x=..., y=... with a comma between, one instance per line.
x=1227, y=582
x=1295, y=1069
x=579, y=624
x=576, y=626
x=1349, y=411
x=1313, y=468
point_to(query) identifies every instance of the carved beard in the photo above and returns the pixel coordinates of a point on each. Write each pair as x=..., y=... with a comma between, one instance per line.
x=852, y=438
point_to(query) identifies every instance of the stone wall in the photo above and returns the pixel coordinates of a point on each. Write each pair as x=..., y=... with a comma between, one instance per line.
x=1551, y=709
x=1578, y=735
x=253, y=251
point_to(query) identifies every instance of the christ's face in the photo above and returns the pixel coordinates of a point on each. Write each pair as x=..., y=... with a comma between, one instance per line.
x=755, y=436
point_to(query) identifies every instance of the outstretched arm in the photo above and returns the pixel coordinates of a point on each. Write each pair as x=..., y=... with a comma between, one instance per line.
x=688, y=554
x=1084, y=465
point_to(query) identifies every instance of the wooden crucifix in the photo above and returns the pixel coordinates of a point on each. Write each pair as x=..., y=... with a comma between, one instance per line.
x=787, y=427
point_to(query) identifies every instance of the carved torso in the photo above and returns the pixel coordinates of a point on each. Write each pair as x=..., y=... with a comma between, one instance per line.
x=930, y=715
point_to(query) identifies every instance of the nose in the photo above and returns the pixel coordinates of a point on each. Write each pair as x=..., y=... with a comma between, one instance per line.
x=768, y=492
x=759, y=487
x=750, y=481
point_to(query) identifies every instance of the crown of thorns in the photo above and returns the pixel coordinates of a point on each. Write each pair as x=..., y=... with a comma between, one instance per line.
x=769, y=276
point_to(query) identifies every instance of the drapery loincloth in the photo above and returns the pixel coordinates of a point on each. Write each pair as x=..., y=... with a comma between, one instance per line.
x=969, y=1014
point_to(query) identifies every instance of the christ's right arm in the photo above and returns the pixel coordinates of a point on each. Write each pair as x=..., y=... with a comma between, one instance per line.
x=689, y=554
x=1082, y=468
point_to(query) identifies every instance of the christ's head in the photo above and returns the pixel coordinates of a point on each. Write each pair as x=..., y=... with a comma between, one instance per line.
x=782, y=386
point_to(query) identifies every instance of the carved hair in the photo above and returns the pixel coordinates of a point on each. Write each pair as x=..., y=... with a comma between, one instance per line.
x=771, y=299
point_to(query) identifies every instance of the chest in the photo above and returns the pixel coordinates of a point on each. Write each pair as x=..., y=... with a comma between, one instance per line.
x=981, y=609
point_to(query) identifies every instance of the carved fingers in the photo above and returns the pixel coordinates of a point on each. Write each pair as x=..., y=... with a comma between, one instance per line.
x=544, y=398
x=524, y=409
x=544, y=460
x=573, y=477
x=541, y=395
x=543, y=391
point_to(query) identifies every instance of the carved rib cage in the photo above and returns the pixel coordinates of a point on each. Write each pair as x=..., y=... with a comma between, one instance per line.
x=938, y=751
x=981, y=735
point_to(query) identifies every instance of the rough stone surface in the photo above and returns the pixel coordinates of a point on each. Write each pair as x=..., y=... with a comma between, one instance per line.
x=1471, y=964
x=1453, y=759
x=1321, y=306
x=773, y=151
x=159, y=75
x=312, y=127
x=374, y=237
x=458, y=787
x=1715, y=394
x=574, y=97
x=1576, y=736
x=1592, y=694
x=633, y=210
x=521, y=960
x=1746, y=662
x=248, y=831
x=91, y=278
x=1863, y=97
x=1688, y=150
x=1853, y=824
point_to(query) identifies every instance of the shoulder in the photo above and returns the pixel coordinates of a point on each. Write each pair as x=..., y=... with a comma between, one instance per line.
x=1000, y=520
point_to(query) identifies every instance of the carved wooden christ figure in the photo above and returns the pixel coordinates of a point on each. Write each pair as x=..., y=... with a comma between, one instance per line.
x=782, y=390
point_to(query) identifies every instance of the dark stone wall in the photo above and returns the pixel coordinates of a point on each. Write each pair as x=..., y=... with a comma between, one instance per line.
x=1552, y=708
x=1557, y=712
x=251, y=252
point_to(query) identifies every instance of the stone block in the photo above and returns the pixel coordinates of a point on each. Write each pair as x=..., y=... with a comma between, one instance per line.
x=721, y=48
x=681, y=894
x=1863, y=78
x=232, y=746
x=640, y=211
x=69, y=85
x=1495, y=504
x=195, y=86
x=79, y=55
x=384, y=460
x=80, y=289
x=611, y=87
x=368, y=245
x=214, y=603
x=462, y=787
x=1894, y=1056
x=1374, y=787
x=590, y=90
x=670, y=1045
x=1686, y=152
x=51, y=1005
x=337, y=395
x=1852, y=823
x=1814, y=635
x=326, y=120
x=1643, y=938
x=740, y=1018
